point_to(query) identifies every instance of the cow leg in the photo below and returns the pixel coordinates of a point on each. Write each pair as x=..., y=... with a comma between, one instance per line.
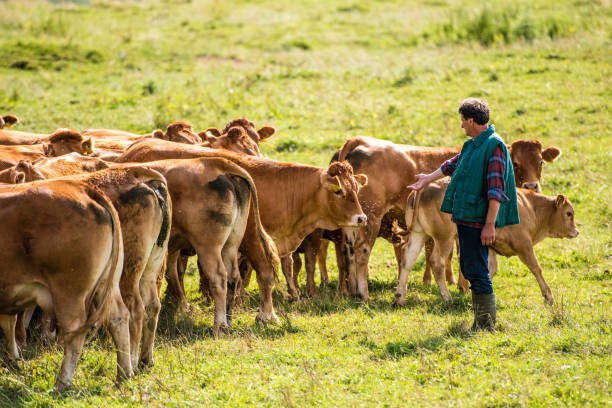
x=245, y=278
x=149, y=291
x=204, y=284
x=410, y=253
x=175, y=293
x=23, y=321
x=119, y=328
x=448, y=268
x=342, y=261
x=363, y=249
x=427, y=276
x=48, y=327
x=130, y=293
x=73, y=344
x=287, y=265
x=528, y=257
x=310, y=259
x=492, y=263
x=349, y=239
x=8, y=324
x=213, y=268
x=464, y=284
x=297, y=267
x=322, y=261
x=438, y=257
x=265, y=273
x=229, y=254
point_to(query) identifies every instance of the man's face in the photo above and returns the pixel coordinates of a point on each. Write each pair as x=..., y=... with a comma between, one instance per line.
x=467, y=125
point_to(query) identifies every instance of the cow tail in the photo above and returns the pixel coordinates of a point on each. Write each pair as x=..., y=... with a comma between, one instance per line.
x=160, y=189
x=267, y=243
x=348, y=146
x=97, y=313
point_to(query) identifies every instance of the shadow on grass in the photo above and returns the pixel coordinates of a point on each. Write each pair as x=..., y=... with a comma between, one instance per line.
x=412, y=348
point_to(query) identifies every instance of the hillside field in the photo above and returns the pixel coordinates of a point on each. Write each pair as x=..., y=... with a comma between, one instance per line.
x=320, y=72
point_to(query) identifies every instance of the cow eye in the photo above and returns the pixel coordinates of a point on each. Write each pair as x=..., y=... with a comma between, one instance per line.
x=569, y=214
x=339, y=193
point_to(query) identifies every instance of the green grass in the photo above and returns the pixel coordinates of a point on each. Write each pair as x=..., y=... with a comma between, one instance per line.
x=321, y=72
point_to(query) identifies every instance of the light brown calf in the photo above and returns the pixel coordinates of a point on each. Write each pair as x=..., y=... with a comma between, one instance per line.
x=540, y=217
x=61, y=249
x=394, y=166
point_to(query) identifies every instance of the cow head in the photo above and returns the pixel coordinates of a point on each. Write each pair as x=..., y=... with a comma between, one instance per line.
x=562, y=222
x=235, y=139
x=20, y=173
x=341, y=187
x=65, y=141
x=258, y=136
x=527, y=159
x=8, y=121
x=179, y=132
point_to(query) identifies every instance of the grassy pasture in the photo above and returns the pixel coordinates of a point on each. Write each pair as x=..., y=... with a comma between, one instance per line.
x=321, y=72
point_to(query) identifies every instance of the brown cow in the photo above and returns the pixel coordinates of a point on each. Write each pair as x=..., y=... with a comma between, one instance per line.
x=62, y=250
x=53, y=167
x=257, y=136
x=60, y=142
x=141, y=199
x=540, y=217
x=211, y=199
x=235, y=139
x=295, y=199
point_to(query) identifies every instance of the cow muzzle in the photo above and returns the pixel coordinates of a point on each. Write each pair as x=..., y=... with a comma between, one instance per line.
x=359, y=220
x=533, y=186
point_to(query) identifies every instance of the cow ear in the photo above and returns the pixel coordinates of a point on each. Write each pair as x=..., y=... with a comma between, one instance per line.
x=48, y=149
x=88, y=146
x=560, y=200
x=551, y=154
x=361, y=179
x=330, y=183
x=10, y=120
x=158, y=134
x=18, y=177
x=211, y=132
x=265, y=133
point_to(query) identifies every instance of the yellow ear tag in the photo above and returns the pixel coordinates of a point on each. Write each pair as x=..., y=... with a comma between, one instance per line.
x=336, y=188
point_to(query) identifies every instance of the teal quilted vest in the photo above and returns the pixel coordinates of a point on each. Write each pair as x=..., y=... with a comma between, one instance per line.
x=466, y=195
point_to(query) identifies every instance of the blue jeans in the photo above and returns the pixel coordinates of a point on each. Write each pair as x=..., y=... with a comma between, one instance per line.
x=474, y=260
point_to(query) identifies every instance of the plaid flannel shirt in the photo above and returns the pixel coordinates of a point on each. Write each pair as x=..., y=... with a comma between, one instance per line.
x=496, y=170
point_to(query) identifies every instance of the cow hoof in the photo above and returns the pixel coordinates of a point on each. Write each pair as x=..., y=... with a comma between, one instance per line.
x=398, y=301
x=549, y=300
x=220, y=329
x=427, y=282
x=12, y=363
x=145, y=364
x=446, y=297
x=266, y=318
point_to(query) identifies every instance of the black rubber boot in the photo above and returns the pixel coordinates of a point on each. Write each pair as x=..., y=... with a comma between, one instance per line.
x=484, y=312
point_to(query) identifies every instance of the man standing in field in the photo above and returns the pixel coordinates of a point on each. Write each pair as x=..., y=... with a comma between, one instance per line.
x=481, y=196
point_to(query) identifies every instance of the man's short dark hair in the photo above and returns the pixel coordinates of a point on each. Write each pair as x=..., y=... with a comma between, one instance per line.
x=475, y=109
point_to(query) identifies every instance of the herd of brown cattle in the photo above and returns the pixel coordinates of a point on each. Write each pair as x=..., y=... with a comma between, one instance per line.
x=92, y=222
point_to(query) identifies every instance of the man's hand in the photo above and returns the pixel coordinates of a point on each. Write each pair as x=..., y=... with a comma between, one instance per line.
x=487, y=236
x=422, y=181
